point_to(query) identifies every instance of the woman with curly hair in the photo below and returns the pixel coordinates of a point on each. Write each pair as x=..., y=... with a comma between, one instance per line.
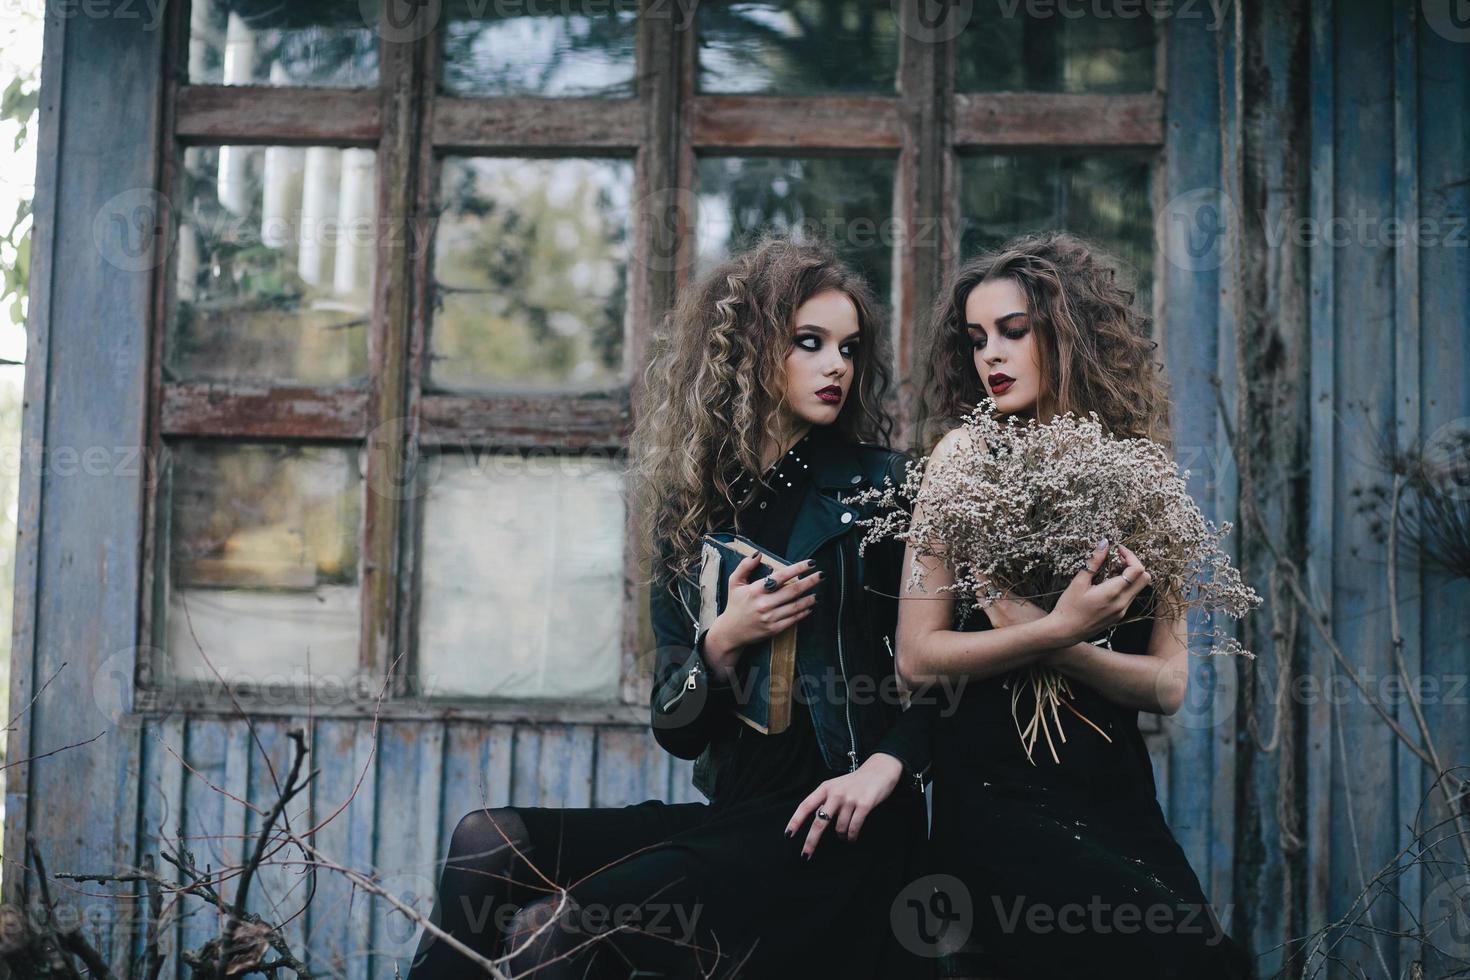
x=1069, y=862
x=757, y=404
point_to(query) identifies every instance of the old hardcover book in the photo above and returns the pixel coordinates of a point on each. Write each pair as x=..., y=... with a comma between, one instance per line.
x=766, y=671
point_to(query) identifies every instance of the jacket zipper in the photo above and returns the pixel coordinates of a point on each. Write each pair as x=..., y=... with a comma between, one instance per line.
x=918, y=777
x=690, y=682
x=841, y=662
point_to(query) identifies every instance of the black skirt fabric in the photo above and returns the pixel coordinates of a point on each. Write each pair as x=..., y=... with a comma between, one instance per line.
x=1070, y=865
x=706, y=891
x=733, y=896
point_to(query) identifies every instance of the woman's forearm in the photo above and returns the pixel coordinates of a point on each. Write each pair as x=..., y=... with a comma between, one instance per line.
x=1133, y=681
x=929, y=656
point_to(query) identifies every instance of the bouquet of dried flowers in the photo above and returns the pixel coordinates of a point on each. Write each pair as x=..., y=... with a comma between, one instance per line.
x=1017, y=510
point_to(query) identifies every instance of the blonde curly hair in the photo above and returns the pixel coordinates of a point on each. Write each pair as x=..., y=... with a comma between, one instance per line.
x=1092, y=341
x=715, y=384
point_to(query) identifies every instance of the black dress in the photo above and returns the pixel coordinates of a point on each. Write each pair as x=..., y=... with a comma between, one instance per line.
x=1070, y=865
x=728, y=870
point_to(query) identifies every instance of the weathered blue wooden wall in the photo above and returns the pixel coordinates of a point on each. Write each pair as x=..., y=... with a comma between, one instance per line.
x=1386, y=134
x=77, y=556
x=408, y=783
x=1384, y=334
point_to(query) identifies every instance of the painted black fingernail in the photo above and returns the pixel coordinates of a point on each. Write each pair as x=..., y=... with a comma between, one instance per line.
x=810, y=562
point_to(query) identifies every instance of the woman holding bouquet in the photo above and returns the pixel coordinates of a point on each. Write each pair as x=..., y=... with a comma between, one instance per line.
x=771, y=373
x=1059, y=841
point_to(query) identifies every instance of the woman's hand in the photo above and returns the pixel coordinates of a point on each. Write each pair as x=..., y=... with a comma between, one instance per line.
x=1085, y=609
x=753, y=612
x=847, y=801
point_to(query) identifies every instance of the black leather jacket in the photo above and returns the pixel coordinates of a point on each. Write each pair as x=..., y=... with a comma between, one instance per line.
x=844, y=650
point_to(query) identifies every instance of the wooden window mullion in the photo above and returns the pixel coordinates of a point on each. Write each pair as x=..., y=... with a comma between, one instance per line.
x=388, y=431
x=149, y=667
x=923, y=209
x=658, y=225
x=421, y=433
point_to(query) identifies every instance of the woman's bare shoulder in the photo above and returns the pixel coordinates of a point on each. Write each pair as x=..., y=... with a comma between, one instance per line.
x=957, y=440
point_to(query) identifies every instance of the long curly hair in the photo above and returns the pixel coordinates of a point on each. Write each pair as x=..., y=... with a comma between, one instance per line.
x=715, y=386
x=1093, y=342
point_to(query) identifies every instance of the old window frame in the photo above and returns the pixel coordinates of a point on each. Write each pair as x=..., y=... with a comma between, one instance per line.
x=662, y=128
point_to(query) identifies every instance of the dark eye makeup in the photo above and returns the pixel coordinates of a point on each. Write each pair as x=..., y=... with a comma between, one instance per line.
x=977, y=336
x=813, y=342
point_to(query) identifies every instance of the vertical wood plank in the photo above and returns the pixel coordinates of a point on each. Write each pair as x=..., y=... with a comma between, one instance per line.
x=85, y=394
x=1443, y=146
x=205, y=820
x=113, y=935
x=1409, y=775
x=410, y=773
x=160, y=806
x=334, y=937
x=1218, y=873
x=44, y=213
x=477, y=771
x=567, y=765
x=1363, y=831
x=1268, y=380
x=631, y=767
x=280, y=889
x=525, y=766
x=1321, y=556
x=362, y=847
x=1189, y=341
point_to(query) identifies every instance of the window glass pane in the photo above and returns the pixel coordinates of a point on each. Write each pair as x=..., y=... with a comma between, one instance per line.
x=848, y=201
x=274, y=269
x=1100, y=47
x=1104, y=198
x=261, y=543
x=796, y=47
x=572, y=48
x=521, y=591
x=267, y=42
x=530, y=274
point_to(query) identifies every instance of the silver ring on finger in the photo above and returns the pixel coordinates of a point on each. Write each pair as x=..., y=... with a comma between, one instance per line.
x=1128, y=580
x=823, y=814
x=770, y=583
